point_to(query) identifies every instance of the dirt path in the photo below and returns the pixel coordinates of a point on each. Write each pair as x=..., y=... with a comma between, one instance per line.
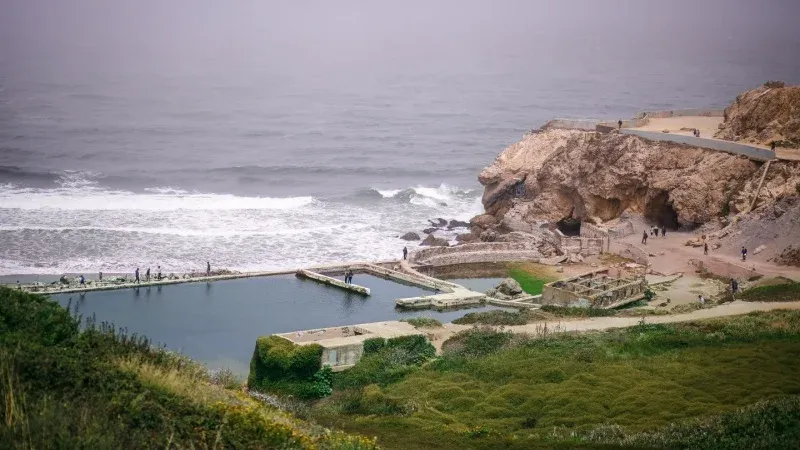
x=672, y=255
x=438, y=336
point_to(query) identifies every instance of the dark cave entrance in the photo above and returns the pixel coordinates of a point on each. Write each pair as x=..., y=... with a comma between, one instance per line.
x=659, y=211
x=569, y=226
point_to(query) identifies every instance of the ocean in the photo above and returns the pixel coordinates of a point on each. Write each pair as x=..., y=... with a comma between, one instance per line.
x=273, y=135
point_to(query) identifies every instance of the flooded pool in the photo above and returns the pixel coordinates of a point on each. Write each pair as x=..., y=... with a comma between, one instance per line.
x=477, y=284
x=218, y=323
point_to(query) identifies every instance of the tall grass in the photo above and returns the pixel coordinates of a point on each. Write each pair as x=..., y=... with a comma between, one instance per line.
x=101, y=387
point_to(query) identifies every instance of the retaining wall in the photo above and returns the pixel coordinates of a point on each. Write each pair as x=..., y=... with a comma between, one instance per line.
x=426, y=255
x=755, y=153
x=703, y=112
x=630, y=251
x=723, y=269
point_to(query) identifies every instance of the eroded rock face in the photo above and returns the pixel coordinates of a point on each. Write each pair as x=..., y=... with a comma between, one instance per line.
x=558, y=174
x=764, y=115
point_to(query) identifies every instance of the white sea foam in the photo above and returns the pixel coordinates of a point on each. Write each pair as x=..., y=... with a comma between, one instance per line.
x=82, y=227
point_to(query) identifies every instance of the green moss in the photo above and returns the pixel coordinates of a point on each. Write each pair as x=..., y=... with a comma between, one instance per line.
x=282, y=366
x=530, y=283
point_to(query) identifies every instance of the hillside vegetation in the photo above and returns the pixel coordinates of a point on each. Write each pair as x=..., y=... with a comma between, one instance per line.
x=63, y=387
x=722, y=383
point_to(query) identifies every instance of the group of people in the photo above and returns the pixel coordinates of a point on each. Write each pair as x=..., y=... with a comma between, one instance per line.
x=348, y=276
x=696, y=133
x=654, y=232
x=146, y=275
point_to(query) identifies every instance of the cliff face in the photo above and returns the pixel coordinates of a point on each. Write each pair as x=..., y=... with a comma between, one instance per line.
x=764, y=115
x=560, y=174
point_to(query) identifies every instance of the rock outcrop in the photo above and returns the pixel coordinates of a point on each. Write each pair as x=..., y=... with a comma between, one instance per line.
x=572, y=174
x=410, y=236
x=434, y=241
x=769, y=113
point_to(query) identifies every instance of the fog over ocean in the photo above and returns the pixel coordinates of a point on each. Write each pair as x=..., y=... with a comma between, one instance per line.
x=267, y=135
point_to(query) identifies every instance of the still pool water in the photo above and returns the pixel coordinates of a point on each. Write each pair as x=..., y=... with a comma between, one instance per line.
x=477, y=284
x=218, y=323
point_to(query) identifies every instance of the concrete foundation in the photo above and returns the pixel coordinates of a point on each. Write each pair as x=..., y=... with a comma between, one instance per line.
x=597, y=289
x=330, y=281
x=344, y=346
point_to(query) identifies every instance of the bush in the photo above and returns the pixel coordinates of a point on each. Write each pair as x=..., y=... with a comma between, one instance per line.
x=276, y=360
x=386, y=363
x=373, y=345
x=774, y=84
x=476, y=342
x=776, y=293
x=494, y=317
x=566, y=311
x=423, y=322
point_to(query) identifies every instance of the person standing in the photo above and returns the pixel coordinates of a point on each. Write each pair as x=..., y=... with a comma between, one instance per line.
x=147, y=275
x=744, y=254
x=663, y=231
x=208, y=269
x=136, y=276
x=405, y=253
x=100, y=274
x=619, y=125
x=644, y=237
x=82, y=281
x=705, y=248
x=772, y=146
x=350, y=276
x=701, y=299
x=158, y=274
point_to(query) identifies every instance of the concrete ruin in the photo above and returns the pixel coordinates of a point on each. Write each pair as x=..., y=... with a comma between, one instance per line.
x=343, y=346
x=596, y=289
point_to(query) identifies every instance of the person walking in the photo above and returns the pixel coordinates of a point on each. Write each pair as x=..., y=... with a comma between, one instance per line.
x=405, y=253
x=619, y=124
x=663, y=231
x=136, y=276
x=644, y=237
x=208, y=269
x=705, y=248
x=82, y=281
x=744, y=254
x=349, y=276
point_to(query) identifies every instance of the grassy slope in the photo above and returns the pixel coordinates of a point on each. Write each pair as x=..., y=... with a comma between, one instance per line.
x=100, y=388
x=516, y=393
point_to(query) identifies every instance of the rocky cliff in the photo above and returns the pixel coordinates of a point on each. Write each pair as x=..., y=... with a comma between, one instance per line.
x=769, y=113
x=571, y=174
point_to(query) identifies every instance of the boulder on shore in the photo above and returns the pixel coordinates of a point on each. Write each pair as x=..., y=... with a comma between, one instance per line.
x=457, y=224
x=508, y=289
x=466, y=237
x=433, y=241
x=410, y=236
x=429, y=230
x=439, y=222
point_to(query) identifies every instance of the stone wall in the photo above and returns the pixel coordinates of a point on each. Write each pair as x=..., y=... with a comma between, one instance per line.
x=581, y=245
x=629, y=251
x=342, y=357
x=723, y=269
x=755, y=153
x=703, y=112
x=477, y=252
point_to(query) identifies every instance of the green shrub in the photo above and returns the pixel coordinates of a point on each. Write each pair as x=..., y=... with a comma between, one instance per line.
x=423, y=322
x=787, y=292
x=568, y=311
x=278, y=360
x=388, y=363
x=494, y=317
x=476, y=342
x=373, y=345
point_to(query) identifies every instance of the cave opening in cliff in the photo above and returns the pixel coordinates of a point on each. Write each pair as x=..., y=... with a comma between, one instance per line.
x=569, y=226
x=659, y=211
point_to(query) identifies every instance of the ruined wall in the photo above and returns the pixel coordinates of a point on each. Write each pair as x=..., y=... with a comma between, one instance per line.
x=629, y=251
x=474, y=252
